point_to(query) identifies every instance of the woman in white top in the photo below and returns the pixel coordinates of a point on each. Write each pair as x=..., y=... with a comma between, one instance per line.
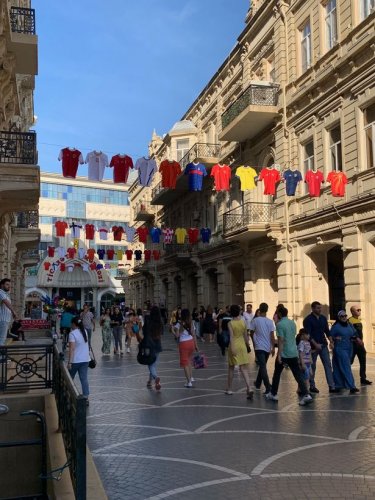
x=79, y=354
x=187, y=344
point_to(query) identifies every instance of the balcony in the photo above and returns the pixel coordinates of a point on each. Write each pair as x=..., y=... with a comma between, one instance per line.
x=30, y=258
x=179, y=253
x=248, y=221
x=23, y=40
x=202, y=152
x=25, y=232
x=253, y=111
x=143, y=213
x=28, y=219
x=18, y=148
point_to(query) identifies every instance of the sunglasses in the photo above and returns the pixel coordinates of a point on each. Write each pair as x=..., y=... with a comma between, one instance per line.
x=343, y=316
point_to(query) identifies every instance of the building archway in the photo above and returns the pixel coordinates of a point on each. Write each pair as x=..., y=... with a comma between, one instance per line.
x=106, y=299
x=336, y=280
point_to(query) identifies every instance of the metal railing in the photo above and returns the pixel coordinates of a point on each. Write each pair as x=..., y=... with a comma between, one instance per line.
x=157, y=189
x=18, y=147
x=200, y=150
x=247, y=214
x=22, y=20
x=257, y=95
x=29, y=219
x=177, y=249
x=71, y=408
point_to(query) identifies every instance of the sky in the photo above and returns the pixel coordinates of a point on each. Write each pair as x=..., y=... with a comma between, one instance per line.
x=112, y=71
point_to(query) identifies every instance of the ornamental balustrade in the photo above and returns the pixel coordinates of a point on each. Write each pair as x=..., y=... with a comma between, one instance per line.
x=22, y=20
x=200, y=150
x=18, y=147
x=248, y=214
x=29, y=219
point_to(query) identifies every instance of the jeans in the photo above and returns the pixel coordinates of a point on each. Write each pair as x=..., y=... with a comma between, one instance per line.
x=197, y=328
x=4, y=327
x=117, y=335
x=89, y=332
x=326, y=360
x=360, y=351
x=152, y=368
x=297, y=374
x=82, y=369
x=262, y=358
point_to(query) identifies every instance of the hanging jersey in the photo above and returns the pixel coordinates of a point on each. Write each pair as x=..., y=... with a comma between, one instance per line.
x=107, y=266
x=118, y=231
x=92, y=266
x=81, y=253
x=61, y=227
x=291, y=178
x=91, y=253
x=314, y=181
x=51, y=251
x=110, y=254
x=75, y=230
x=71, y=253
x=119, y=254
x=70, y=159
x=61, y=252
x=97, y=161
x=247, y=177
x=205, y=234
x=222, y=175
x=196, y=173
x=270, y=177
x=90, y=231
x=338, y=182
x=169, y=170
x=101, y=253
x=47, y=265
x=156, y=254
x=130, y=232
x=62, y=267
x=121, y=165
x=99, y=266
x=142, y=234
x=180, y=235
x=85, y=267
x=129, y=254
x=155, y=233
x=147, y=254
x=193, y=234
x=168, y=235
x=138, y=254
x=103, y=233
x=146, y=169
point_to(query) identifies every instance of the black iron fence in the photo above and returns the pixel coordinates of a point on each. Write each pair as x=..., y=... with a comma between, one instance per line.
x=18, y=147
x=177, y=249
x=257, y=95
x=29, y=219
x=22, y=20
x=200, y=150
x=248, y=214
x=156, y=190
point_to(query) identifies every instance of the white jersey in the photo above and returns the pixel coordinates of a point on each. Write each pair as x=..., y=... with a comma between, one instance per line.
x=97, y=161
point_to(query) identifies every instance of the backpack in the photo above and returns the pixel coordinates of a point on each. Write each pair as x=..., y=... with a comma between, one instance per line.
x=146, y=349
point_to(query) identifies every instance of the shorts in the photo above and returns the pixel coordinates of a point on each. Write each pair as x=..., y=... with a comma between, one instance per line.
x=306, y=373
x=186, y=350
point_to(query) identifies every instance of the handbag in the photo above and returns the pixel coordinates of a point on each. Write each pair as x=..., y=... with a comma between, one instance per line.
x=146, y=350
x=92, y=362
x=199, y=360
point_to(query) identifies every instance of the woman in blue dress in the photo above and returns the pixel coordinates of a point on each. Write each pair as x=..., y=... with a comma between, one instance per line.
x=343, y=334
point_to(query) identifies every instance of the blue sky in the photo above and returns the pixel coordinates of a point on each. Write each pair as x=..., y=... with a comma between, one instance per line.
x=110, y=71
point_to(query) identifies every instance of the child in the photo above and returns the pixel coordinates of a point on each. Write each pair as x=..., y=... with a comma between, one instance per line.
x=304, y=351
x=16, y=331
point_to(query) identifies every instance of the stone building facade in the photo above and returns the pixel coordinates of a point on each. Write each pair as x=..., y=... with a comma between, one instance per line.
x=297, y=91
x=19, y=173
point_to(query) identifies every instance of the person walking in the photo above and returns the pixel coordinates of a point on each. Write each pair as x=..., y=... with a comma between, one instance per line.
x=116, y=323
x=105, y=323
x=223, y=335
x=7, y=313
x=316, y=325
x=238, y=354
x=305, y=358
x=88, y=321
x=196, y=321
x=79, y=355
x=187, y=344
x=153, y=327
x=262, y=332
x=358, y=347
x=342, y=335
x=248, y=316
x=286, y=331
x=208, y=324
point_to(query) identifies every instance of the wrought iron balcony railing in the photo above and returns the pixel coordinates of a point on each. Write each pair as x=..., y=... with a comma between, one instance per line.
x=256, y=95
x=248, y=214
x=28, y=219
x=176, y=248
x=18, y=147
x=200, y=150
x=22, y=20
x=156, y=190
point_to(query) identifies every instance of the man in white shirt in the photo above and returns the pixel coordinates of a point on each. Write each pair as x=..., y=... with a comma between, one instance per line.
x=248, y=315
x=7, y=312
x=262, y=331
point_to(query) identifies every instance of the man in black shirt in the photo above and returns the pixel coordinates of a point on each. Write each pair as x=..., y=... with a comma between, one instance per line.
x=359, y=350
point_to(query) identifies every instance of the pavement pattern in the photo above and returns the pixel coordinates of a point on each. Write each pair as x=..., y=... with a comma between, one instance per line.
x=201, y=443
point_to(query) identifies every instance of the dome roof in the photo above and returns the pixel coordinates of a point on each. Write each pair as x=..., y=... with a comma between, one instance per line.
x=183, y=126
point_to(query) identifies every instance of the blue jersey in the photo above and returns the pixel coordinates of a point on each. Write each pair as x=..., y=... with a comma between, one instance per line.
x=205, y=234
x=155, y=233
x=101, y=253
x=196, y=173
x=292, y=178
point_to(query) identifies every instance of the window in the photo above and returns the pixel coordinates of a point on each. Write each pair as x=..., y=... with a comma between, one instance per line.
x=367, y=7
x=306, y=46
x=308, y=161
x=331, y=23
x=369, y=116
x=335, y=153
x=182, y=147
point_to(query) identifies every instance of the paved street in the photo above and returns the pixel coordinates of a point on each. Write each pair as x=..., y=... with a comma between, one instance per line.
x=200, y=443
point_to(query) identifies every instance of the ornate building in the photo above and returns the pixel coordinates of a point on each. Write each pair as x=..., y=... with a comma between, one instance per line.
x=298, y=91
x=19, y=173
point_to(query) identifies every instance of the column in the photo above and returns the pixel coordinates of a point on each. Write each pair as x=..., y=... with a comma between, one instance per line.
x=222, y=284
x=200, y=287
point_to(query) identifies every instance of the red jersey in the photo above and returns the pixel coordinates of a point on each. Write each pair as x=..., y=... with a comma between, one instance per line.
x=314, y=181
x=169, y=170
x=71, y=252
x=121, y=165
x=110, y=254
x=222, y=175
x=61, y=227
x=62, y=266
x=147, y=254
x=92, y=266
x=193, y=234
x=51, y=251
x=271, y=177
x=90, y=231
x=142, y=234
x=90, y=253
x=129, y=254
x=117, y=231
x=338, y=182
x=47, y=265
x=156, y=254
x=70, y=159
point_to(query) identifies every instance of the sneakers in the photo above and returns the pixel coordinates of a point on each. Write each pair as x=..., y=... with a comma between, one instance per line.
x=314, y=390
x=305, y=400
x=128, y=350
x=189, y=385
x=149, y=384
x=192, y=380
x=157, y=384
x=271, y=397
x=366, y=382
x=229, y=393
x=354, y=390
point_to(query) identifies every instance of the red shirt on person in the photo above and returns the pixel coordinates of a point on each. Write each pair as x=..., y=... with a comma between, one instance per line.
x=121, y=165
x=90, y=231
x=271, y=177
x=222, y=175
x=61, y=227
x=338, y=182
x=314, y=180
x=169, y=170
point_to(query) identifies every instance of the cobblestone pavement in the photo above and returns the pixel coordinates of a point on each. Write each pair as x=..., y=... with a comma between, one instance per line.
x=200, y=443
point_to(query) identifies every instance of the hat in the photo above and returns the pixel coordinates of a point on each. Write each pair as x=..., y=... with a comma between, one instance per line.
x=341, y=313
